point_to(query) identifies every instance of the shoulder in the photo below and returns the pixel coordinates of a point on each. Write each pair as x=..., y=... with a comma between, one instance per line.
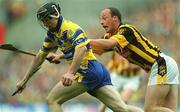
x=69, y=25
x=72, y=27
x=126, y=29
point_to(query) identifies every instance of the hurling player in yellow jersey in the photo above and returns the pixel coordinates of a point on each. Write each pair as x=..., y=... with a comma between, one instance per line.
x=85, y=73
x=162, y=90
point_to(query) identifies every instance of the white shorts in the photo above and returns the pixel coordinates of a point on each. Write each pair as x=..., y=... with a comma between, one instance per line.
x=172, y=75
x=123, y=83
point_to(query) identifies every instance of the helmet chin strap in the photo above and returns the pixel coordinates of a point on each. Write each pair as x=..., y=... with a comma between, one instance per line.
x=58, y=14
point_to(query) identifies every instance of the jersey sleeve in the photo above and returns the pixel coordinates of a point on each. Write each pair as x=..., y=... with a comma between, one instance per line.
x=78, y=38
x=124, y=37
x=48, y=44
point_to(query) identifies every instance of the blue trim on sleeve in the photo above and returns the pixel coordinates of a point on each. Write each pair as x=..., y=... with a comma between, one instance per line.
x=47, y=39
x=64, y=35
x=50, y=35
x=69, y=50
x=76, y=34
x=60, y=42
x=79, y=41
x=46, y=48
x=69, y=53
x=88, y=46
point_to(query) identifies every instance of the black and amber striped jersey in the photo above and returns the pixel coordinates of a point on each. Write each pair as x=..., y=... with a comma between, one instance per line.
x=135, y=47
x=122, y=67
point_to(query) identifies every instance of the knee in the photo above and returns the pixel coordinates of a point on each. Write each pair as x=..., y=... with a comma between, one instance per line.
x=50, y=101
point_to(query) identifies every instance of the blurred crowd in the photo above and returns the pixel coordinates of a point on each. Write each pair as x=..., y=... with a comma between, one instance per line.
x=15, y=9
x=160, y=22
x=162, y=25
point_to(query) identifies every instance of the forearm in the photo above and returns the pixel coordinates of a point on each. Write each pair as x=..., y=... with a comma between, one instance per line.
x=105, y=44
x=38, y=60
x=99, y=46
x=77, y=58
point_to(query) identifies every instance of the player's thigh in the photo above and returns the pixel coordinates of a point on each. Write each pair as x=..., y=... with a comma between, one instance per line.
x=61, y=93
x=155, y=95
x=109, y=96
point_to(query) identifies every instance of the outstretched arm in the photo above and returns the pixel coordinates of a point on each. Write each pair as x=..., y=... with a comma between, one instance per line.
x=100, y=46
x=38, y=60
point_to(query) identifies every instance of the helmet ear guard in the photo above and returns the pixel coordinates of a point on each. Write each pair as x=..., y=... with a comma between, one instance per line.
x=57, y=11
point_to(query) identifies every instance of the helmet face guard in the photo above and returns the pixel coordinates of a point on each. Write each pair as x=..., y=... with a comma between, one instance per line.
x=47, y=12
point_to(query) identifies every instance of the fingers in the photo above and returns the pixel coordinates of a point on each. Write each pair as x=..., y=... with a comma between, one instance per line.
x=19, y=89
x=14, y=93
x=56, y=61
x=52, y=58
x=66, y=81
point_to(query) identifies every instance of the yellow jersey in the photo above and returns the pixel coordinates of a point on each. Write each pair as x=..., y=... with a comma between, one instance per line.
x=67, y=37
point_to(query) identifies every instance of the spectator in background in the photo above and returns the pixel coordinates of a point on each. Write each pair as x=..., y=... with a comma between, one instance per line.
x=14, y=9
x=2, y=33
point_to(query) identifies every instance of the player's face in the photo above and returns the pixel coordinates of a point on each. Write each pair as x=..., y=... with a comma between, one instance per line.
x=107, y=21
x=50, y=24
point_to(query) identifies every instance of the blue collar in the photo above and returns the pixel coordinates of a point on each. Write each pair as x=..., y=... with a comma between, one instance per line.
x=59, y=23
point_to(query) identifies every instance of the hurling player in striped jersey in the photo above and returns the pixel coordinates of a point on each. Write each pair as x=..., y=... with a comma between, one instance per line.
x=125, y=39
